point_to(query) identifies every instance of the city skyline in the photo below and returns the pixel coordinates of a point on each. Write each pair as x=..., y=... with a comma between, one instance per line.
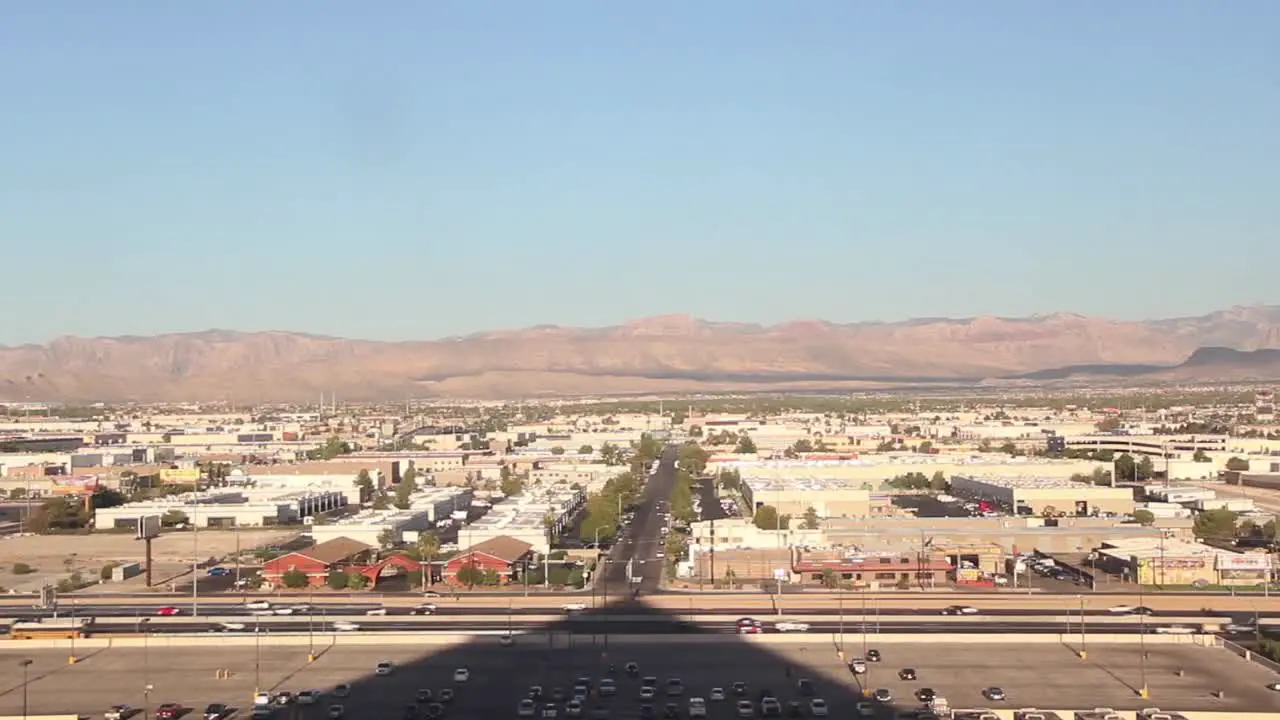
x=432, y=172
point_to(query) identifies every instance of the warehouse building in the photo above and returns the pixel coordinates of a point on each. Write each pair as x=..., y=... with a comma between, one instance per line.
x=222, y=509
x=530, y=517
x=1028, y=495
x=829, y=497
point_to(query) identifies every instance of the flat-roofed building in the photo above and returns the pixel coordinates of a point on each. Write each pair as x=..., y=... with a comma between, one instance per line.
x=528, y=517
x=1044, y=495
x=829, y=497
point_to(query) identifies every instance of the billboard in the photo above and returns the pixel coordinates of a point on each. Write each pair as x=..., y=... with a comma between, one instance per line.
x=74, y=484
x=179, y=476
x=148, y=527
x=1244, y=561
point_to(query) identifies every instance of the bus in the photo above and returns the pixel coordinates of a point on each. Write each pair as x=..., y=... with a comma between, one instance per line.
x=51, y=629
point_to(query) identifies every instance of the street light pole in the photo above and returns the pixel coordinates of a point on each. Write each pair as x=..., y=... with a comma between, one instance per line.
x=257, y=658
x=1084, y=652
x=71, y=659
x=840, y=595
x=25, y=663
x=145, y=625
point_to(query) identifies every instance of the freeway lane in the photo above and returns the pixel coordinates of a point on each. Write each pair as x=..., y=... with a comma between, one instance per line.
x=625, y=628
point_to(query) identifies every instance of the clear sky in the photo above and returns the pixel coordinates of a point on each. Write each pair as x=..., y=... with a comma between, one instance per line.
x=410, y=170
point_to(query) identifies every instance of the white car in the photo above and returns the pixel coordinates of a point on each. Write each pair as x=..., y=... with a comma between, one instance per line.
x=282, y=611
x=660, y=555
x=570, y=607
x=770, y=706
x=791, y=627
x=263, y=698
x=647, y=693
x=818, y=707
x=336, y=711
x=549, y=711
x=573, y=709
x=307, y=697
x=697, y=708
x=261, y=611
x=118, y=712
x=376, y=611
x=461, y=675
x=746, y=709
x=383, y=668
x=1122, y=609
x=232, y=626
x=858, y=666
x=345, y=626
x=257, y=605
x=1175, y=630
x=526, y=709
x=960, y=610
x=717, y=694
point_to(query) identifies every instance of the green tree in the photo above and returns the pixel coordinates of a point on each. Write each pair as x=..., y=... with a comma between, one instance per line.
x=798, y=448
x=1217, y=524
x=511, y=483
x=405, y=490
x=926, y=447
x=938, y=482
x=1009, y=448
x=388, y=539
x=729, y=480
x=557, y=450
x=357, y=581
x=811, y=521
x=829, y=579
x=1126, y=468
x=365, y=483
x=1145, y=469
x=745, y=446
x=490, y=578
x=105, y=572
x=766, y=518
x=337, y=579
x=692, y=458
x=21, y=568
x=332, y=448
x=470, y=575
x=586, y=450
x=428, y=549
x=1201, y=456
x=611, y=454
x=172, y=518
x=1144, y=517
x=1238, y=464
x=294, y=579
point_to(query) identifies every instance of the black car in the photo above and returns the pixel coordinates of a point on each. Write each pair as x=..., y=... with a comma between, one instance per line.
x=423, y=696
x=907, y=674
x=558, y=695
x=535, y=692
x=633, y=669
x=215, y=711
x=649, y=681
x=926, y=694
x=446, y=695
x=739, y=688
x=613, y=670
x=671, y=711
x=646, y=711
x=435, y=710
x=1142, y=610
x=873, y=655
x=795, y=709
x=805, y=686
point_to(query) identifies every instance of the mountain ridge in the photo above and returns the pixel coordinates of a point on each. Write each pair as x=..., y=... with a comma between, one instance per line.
x=665, y=353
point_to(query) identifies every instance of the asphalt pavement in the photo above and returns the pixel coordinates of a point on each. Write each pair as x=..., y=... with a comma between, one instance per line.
x=637, y=548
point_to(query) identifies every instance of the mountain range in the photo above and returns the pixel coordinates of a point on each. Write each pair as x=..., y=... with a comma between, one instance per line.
x=666, y=354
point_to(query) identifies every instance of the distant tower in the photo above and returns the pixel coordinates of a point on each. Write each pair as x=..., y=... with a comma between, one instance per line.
x=1264, y=405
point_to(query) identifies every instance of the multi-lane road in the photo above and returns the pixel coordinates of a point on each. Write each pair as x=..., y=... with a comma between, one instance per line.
x=636, y=550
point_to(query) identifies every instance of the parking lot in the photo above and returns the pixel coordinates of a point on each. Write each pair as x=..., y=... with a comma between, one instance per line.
x=1032, y=675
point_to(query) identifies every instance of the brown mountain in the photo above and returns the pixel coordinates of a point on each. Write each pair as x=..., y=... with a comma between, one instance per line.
x=660, y=354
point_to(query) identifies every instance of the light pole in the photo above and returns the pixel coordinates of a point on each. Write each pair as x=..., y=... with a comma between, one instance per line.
x=146, y=699
x=1084, y=652
x=840, y=596
x=1142, y=640
x=257, y=658
x=71, y=659
x=25, y=663
x=144, y=624
x=311, y=627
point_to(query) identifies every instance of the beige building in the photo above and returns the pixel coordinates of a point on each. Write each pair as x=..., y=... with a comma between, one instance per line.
x=1044, y=496
x=829, y=497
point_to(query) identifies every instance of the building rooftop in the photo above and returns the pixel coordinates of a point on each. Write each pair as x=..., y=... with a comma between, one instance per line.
x=802, y=484
x=1030, y=482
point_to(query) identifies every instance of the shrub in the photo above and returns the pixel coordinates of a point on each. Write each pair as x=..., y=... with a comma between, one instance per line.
x=21, y=568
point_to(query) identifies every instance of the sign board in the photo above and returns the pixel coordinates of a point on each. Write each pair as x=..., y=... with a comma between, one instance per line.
x=1175, y=563
x=1244, y=561
x=179, y=476
x=74, y=484
x=148, y=527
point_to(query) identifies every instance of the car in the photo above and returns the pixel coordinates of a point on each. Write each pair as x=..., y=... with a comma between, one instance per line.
x=573, y=709
x=907, y=674
x=739, y=688
x=257, y=605
x=646, y=712
x=383, y=668
x=865, y=709
x=1122, y=609
x=169, y=711
x=435, y=710
x=749, y=630
x=336, y=711
x=697, y=708
x=770, y=707
x=232, y=626
x=342, y=690
x=169, y=611
x=660, y=555
x=535, y=692
x=307, y=697
x=675, y=687
x=717, y=694
x=430, y=594
x=118, y=712
x=1176, y=630
x=632, y=669
x=1274, y=687
x=818, y=707
x=608, y=688
x=526, y=708
x=926, y=694
x=282, y=611
x=647, y=693
x=215, y=711
x=421, y=610
x=788, y=626
x=446, y=696
x=959, y=610
x=262, y=698
x=748, y=621
x=858, y=666
x=423, y=696
x=376, y=611
x=805, y=687
x=550, y=711
x=873, y=655
x=217, y=572
x=411, y=713
x=507, y=641
x=573, y=606
x=649, y=681
x=882, y=695
x=993, y=693
x=346, y=626
x=262, y=712
x=461, y=675
x=671, y=710
x=746, y=709
x=284, y=697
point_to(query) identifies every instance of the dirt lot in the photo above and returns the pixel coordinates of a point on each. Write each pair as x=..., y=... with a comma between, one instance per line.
x=54, y=557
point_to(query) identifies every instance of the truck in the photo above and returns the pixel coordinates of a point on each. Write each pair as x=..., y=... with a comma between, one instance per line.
x=51, y=629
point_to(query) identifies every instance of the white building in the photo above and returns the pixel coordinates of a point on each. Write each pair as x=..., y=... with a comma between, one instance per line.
x=526, y=517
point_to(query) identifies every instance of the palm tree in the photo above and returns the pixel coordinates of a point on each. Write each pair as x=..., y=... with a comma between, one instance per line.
x=428, y=547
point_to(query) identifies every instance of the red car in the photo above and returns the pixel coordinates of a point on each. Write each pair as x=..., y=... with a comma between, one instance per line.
x=168, y=711
x=169, y=611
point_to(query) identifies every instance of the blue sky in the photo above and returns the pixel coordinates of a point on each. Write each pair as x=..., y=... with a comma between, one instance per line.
x=402, y=170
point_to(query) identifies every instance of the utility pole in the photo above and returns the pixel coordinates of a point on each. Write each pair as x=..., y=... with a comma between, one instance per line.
x=1084, y=653
x=25, y=663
